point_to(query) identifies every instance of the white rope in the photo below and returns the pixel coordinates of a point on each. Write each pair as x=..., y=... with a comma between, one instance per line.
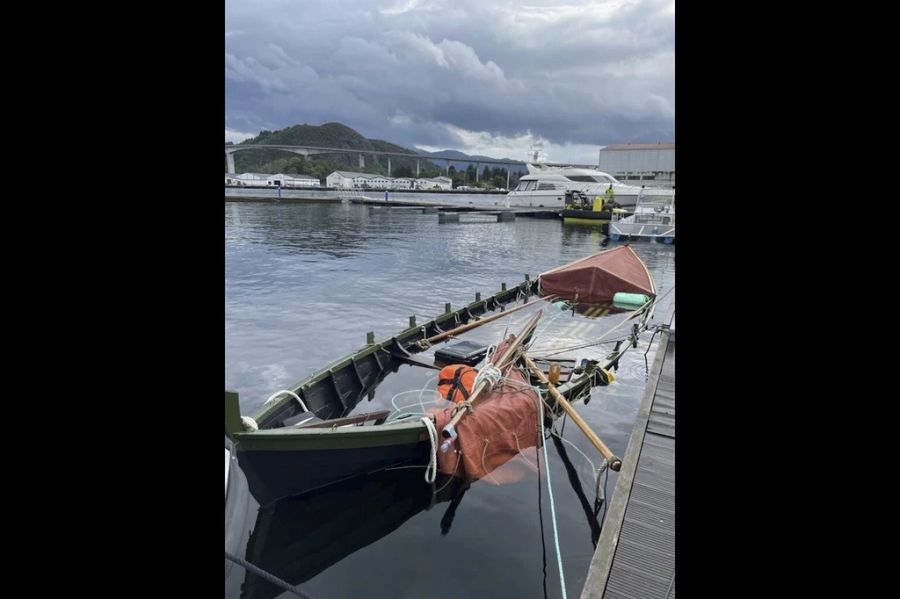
x=435, y=395
x=489, y=374
x=289, y=392
x=431, y=470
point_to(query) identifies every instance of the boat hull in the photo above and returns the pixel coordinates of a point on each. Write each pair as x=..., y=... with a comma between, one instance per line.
x=288, y=463
x=663, y=233
x=556, y=199
x=239, y=506
x=586, y=217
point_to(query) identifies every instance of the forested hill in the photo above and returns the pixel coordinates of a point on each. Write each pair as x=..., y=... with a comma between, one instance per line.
x=337, y=135
x=329, y=135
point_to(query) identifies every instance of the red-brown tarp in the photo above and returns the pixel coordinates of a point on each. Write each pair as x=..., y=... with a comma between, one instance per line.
x=599, y=277
x=503, y=422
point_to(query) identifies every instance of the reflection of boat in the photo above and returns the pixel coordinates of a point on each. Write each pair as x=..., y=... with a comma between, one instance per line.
x=238, y=505
x=297, y=538
x=546, y=186
x=653, y=218
x=306, y=438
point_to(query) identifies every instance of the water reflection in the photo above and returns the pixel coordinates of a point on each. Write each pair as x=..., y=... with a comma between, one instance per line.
x=296, y=539
x=336, y=231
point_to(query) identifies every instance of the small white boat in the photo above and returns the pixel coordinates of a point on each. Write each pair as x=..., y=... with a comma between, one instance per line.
x=653, y=218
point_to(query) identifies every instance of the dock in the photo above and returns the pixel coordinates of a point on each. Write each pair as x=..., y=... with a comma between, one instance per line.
x=635, y=554
x=450, y=213
x=447, y=212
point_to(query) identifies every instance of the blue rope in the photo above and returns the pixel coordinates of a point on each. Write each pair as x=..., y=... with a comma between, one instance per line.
x=562, y=578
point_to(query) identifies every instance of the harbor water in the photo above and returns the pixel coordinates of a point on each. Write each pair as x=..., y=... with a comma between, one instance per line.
x=304, y=283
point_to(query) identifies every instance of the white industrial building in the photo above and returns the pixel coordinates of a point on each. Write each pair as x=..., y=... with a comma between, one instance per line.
x=351, y=180
x=266, y=180
x=254, y=179
x=650, y=164
x=437, y=182
x=347, y=180
x=285, y=180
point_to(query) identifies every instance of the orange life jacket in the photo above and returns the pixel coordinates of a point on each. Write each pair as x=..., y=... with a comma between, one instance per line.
x=455, y=382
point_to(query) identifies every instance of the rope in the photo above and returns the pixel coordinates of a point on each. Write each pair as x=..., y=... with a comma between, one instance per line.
x=266, y=576
x=540, y=350
x=604, y=335
x=597, y=499
x=562, y=579
x=601, y=497
x=537, y=455
x=289, y=392
x=489, y=374
x=650, y=343
x=431, y=470
x=671, y=582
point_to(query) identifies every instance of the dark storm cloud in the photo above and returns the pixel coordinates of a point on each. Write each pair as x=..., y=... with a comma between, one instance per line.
x=456, y=73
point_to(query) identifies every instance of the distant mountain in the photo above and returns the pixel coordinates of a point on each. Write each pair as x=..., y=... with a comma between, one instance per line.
x=459, y=158
x=329, y=135
x=337, y=135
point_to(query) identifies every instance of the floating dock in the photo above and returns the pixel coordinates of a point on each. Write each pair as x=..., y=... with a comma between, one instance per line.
x=444, y=207
x=447, y=213
x=635, y=554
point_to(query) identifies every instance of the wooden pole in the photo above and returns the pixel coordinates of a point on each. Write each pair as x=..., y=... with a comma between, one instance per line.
x=478, y=323
x=500, y=363
x=614, y=462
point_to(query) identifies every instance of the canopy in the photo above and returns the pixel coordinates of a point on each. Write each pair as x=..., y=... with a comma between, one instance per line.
x=599, y=277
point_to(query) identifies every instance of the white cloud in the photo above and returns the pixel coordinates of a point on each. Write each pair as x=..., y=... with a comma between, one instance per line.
x=237, y=136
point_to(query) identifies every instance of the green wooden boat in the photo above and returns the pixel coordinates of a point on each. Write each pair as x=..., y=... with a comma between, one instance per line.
x=309, y=437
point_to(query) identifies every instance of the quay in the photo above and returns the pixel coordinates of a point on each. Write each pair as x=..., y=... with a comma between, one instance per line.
x=635, y=554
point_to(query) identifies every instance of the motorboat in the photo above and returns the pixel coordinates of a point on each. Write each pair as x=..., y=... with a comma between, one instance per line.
x=653, y=219
x=545, y=186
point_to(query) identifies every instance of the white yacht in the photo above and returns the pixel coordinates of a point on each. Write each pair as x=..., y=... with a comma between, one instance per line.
x=546, y=186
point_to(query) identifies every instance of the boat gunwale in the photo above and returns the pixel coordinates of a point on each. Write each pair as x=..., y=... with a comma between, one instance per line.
x=403, y=340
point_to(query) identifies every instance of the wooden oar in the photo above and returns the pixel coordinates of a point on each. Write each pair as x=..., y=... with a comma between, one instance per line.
x=510, y=351
x=472, y=325
x=614, y=462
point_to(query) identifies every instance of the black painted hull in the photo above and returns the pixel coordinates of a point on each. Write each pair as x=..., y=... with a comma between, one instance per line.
x=276, y=474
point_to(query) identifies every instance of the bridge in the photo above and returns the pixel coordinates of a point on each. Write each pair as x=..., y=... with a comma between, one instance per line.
x=314, y=150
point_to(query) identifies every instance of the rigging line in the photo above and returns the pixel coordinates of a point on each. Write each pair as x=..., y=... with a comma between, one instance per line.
x=541, y=518
x=266, y=576
x=562, y=578
x=604, y=335
x=581, y=346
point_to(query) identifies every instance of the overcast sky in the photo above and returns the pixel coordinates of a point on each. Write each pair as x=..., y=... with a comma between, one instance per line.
x=480, y=76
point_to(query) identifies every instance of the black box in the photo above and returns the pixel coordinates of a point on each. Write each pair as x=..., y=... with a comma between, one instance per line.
x=464, y=352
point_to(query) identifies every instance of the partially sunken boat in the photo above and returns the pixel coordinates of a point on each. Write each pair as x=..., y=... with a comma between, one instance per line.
x=305, y=437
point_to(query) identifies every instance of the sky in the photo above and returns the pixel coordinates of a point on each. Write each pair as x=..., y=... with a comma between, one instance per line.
x=491, y=77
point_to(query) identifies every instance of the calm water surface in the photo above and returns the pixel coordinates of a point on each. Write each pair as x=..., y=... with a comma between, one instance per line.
x=303, y=285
